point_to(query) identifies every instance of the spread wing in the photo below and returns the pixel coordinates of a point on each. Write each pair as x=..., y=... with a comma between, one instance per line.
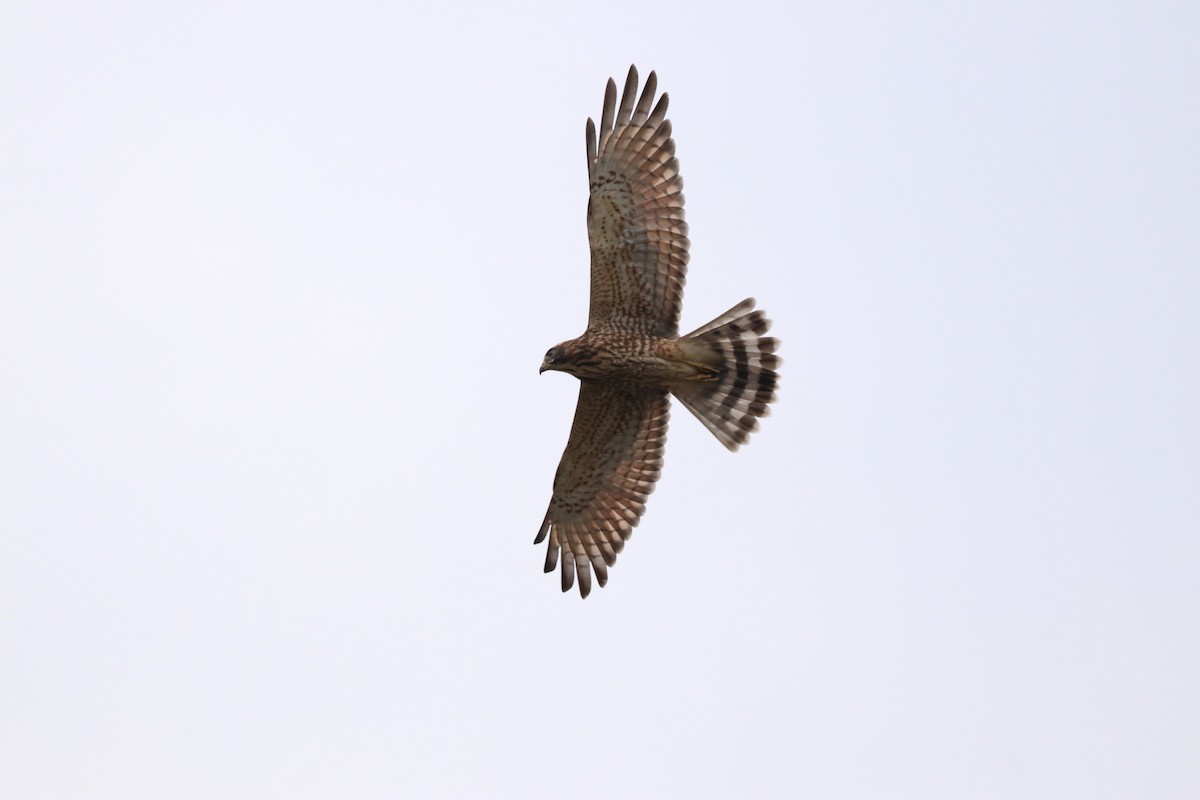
x=635, y=215
x=612, y=460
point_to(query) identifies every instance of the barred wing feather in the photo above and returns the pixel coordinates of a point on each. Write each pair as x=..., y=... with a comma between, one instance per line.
x=612, y=461
x=636, y=226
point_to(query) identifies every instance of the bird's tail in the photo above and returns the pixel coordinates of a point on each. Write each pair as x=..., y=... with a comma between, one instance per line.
x=739, y=373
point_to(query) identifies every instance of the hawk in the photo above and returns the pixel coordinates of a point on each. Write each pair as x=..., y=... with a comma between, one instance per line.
x=631, y=358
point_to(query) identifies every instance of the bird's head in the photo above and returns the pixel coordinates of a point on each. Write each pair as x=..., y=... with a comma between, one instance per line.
x=557, y=358
x=570, y=357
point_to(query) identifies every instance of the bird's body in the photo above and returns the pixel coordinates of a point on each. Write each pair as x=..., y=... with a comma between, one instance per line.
x=631, y=359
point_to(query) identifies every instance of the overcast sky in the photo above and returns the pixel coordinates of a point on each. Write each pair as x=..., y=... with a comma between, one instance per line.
x=275, y=282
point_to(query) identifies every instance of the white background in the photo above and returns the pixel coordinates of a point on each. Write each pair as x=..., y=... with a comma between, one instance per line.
x=275, y=281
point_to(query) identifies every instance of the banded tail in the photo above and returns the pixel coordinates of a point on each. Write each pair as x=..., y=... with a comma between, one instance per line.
x=743, y=366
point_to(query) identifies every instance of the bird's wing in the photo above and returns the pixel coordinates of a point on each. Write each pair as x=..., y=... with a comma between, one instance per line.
x=612, y=460
x=635, y=214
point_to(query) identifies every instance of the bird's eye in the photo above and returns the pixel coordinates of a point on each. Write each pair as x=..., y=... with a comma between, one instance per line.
x=550, y=353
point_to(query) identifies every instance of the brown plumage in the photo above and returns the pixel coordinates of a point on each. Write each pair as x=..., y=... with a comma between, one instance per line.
x=631, y=357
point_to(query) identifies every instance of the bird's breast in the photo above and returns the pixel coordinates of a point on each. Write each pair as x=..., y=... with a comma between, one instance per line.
x=634, y=359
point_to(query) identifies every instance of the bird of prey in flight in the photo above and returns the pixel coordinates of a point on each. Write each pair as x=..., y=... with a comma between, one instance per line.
x=631, y=358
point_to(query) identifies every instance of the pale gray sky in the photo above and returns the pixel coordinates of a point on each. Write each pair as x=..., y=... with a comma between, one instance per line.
x=275, y=282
